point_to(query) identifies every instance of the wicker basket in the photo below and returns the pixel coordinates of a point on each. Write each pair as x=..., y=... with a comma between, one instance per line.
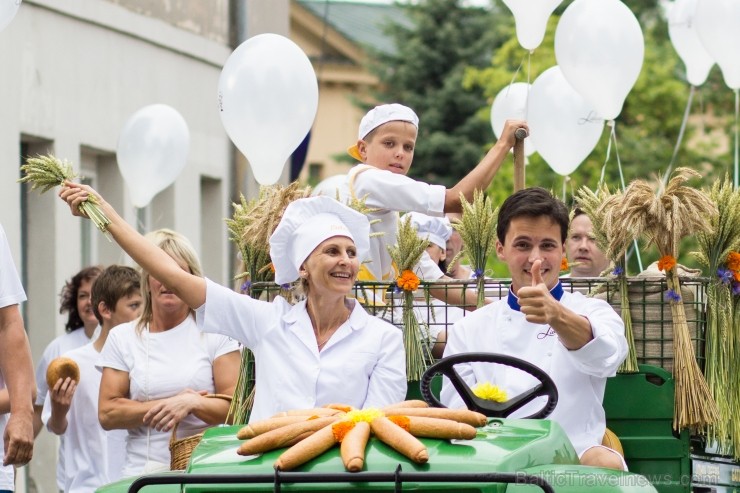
x=182, y=449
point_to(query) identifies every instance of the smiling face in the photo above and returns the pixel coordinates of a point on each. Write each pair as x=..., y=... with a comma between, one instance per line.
x=529, y=239
x=582, y=249
x=332, y=267
x=390, y=147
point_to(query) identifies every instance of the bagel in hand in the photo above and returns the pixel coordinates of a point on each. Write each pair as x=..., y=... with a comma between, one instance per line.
x=62, y=367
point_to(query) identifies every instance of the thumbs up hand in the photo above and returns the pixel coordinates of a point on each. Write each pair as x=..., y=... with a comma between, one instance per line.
x=536, y=302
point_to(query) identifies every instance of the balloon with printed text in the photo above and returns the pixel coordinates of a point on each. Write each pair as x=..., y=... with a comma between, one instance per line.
x=685, y=39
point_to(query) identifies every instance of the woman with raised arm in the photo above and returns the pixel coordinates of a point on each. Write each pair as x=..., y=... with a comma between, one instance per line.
x=325, y=348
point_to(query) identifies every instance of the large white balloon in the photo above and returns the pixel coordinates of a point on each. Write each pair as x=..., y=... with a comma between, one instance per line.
x=152, y=151
x=718, y=27
x=562, y=125
x=330, y=186
x=682, y=31
x=600, y=48
x=268, y=96
x=511, y=104
x=8, y=9
x=531, y=20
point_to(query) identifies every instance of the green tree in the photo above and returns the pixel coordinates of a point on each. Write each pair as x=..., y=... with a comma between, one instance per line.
x=426, y=73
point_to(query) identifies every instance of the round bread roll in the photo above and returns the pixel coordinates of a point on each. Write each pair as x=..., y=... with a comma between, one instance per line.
x=61, y=367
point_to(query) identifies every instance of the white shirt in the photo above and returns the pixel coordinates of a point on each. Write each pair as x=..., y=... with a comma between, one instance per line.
x=391, y=193
x=62, y=344
x=362, y=365
x=580, y=375
x=90, y=461
x=160, y=365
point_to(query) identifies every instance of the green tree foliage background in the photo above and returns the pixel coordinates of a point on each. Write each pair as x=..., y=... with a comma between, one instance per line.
x=456, y=59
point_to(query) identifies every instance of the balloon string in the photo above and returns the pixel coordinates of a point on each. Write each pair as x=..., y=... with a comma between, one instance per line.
x=737, y=142
x=635, y=248
x=680, y=135
x=609, y=123
x=513, y=77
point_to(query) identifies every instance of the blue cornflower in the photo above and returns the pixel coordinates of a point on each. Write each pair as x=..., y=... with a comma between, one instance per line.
x=725, y=275
x=246, y=286
x=477, y=273
x=618, y=270
x=286, y=286
x=671, y=295
x=736, y=288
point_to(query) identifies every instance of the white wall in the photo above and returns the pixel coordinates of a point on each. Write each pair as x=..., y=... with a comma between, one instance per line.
x=71, y=73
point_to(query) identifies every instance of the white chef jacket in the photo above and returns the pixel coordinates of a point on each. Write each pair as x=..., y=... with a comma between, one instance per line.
x=579, y=375
x=392, y=193
x=362, y=365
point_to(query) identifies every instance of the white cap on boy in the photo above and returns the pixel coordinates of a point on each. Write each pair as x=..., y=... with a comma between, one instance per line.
x=436, y=229
x=378, y=116
x=308, y=222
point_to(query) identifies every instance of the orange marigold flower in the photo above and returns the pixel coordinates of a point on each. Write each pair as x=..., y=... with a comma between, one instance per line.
x=733, y=261
x=736, y=276
x=564, y=264
x=402, y=421
x=408, y=281
x=341, y=428
x=666, y=262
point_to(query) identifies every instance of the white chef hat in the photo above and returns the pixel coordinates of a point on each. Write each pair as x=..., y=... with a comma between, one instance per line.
x=305, y=224
x=436, y=229
x=378, y=116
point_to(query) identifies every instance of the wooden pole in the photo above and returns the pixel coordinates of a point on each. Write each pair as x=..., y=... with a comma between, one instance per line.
x=520, y=135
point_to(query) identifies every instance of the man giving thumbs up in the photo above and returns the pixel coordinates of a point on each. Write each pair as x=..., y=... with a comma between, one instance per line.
x=578, y=341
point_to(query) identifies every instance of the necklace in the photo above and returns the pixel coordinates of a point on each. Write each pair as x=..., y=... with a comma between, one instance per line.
x=331, y=332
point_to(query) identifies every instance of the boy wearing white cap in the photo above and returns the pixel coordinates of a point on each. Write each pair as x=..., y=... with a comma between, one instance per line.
x=385, y=146
x=321, y=350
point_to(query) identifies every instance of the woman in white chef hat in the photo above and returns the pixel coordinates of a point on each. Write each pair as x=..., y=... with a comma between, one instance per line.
x=326, y=348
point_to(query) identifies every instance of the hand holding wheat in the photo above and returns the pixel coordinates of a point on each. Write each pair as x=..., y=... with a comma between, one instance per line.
x=47, y=172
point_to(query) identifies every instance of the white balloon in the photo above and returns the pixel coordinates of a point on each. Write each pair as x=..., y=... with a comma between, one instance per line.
x=330, y=186
x=152, y=151
x=599, y=47
x=511, y=104
x=718, y=27
x=268, y=96
x=682, y=31
x=531, y=20
x=8, y=9
x=562, y=124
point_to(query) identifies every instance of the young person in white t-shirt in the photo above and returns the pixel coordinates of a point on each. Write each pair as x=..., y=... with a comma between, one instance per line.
x=93, y=456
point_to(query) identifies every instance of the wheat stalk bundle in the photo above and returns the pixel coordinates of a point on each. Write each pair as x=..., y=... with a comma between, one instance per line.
x=599, y=206
x=664, y=218
x=47, y=172
x=716, y=247
x=405, y=255
x=477, y=228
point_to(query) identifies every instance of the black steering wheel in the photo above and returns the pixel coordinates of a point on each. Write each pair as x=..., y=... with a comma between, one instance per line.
x=492, y=409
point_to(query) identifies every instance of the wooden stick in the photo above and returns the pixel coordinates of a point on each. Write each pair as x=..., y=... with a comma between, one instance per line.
x=520, y=135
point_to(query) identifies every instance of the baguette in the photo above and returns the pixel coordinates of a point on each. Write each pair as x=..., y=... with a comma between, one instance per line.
x=265, y=425
x=400, y=440
x=445, y=429
x=462, y=415
x=316, y=411
x=306, y=449
x=282, y=437
x=411, y=403
x=353, y=446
